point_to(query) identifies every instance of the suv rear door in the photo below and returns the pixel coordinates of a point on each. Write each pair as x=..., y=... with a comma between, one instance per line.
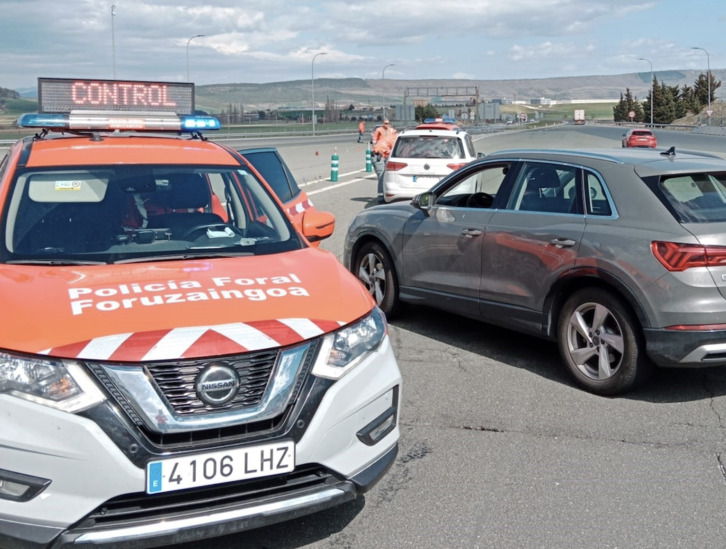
x=531, y=241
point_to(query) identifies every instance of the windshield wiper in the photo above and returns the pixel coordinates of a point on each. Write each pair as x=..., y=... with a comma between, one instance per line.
x=54, y=262
x=179, y=257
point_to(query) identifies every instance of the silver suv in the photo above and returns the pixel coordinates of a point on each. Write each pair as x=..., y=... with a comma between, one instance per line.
x=618, y=255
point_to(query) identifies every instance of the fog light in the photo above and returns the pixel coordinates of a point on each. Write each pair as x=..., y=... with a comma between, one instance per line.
x=20, y=487
x=377, y=429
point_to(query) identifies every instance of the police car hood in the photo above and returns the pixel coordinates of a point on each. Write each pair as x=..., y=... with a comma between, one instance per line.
x=177, y=309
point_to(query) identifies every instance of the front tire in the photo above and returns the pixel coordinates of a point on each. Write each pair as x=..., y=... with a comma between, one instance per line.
x=601, y=344
x=374, y=268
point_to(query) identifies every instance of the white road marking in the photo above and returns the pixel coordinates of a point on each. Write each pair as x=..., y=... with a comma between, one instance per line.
x=344, y=183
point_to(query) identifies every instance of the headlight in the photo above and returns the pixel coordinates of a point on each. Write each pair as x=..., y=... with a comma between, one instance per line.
x=345, y=349
x=56, y=383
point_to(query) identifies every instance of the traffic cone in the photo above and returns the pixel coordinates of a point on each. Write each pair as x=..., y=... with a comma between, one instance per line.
x=334, y=165
x=369, y=164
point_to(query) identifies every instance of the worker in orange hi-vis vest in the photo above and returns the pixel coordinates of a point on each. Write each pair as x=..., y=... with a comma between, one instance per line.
x=383, y=139
x=361, y=129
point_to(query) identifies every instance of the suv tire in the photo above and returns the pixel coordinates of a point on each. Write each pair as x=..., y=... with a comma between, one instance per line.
x=374, y=268
x=601, y=344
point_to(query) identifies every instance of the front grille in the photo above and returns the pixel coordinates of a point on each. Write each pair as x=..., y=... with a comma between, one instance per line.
x=176, y=381
x=131, y=509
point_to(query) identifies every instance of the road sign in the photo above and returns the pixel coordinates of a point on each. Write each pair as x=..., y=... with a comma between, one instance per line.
x=523, y=116
x=709, y=113
x=631, y=114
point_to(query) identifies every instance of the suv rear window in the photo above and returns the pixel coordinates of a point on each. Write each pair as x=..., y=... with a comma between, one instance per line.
x=696, y=198
x=428, y=146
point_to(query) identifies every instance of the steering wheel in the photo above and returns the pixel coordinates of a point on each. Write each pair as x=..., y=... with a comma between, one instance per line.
x=203, y=227
x=479, y=200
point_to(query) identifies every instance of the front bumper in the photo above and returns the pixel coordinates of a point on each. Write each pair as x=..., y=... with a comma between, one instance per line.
x=97, y=494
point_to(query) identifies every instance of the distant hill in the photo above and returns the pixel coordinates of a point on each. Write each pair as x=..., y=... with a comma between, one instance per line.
x=361, y=92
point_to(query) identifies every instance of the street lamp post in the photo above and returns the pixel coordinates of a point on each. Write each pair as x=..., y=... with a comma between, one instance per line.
x=188, y=42
x=312, y=85
x=113, y=39
x=652, y=91
x=383, y=77
x=708, y=78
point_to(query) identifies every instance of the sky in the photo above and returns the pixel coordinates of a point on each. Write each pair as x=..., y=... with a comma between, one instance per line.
x=266, y=41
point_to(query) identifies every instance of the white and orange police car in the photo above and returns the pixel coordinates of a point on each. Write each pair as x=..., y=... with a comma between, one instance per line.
x=177, y=361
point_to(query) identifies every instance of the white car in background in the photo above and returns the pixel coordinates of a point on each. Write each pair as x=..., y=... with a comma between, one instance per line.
x=423, y=156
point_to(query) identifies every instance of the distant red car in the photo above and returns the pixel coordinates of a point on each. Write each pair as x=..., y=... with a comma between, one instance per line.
x=640, y=138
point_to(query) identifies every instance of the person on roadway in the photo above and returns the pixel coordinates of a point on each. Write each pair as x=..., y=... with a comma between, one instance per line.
x=361, y=129
x=383, y=139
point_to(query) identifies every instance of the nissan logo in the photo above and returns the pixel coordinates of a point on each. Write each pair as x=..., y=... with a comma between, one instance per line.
x=427, y=166
x=216, y=385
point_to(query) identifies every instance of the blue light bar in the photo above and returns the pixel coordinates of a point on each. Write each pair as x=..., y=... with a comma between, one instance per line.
x=112, y=121
x=191, y=123
x=38, y=120
x=445, y=120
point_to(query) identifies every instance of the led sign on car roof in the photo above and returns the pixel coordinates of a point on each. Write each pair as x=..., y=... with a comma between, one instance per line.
x=79, y=104
x=62, y=95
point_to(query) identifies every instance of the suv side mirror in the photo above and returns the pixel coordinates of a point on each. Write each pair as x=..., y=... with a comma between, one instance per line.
x=317, y=225
x=423, y=201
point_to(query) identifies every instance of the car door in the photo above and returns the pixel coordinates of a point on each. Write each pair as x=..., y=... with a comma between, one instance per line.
x=441, y=250
x=530, y=242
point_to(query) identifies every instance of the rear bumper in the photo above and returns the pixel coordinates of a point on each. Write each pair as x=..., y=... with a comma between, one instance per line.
x=402, y=187
x=686, y=349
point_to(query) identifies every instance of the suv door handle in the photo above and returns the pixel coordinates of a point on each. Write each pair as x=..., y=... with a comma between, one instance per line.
x=563, y=242
x=471, y=232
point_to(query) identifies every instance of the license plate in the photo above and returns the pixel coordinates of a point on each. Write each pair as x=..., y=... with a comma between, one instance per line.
x=197, y=470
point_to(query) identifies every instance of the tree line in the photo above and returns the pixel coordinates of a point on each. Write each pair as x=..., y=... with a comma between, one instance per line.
x=670, y=103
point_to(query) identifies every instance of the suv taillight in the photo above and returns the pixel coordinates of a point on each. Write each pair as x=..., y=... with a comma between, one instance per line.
x=675, y=256
x=395, y=166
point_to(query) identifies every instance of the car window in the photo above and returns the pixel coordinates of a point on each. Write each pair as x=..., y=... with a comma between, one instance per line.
x=428, y=146
x=697, y=197
x=128, y=212
x=542, y=187
x=275, y=172
x=597, y=198
x=478, y=189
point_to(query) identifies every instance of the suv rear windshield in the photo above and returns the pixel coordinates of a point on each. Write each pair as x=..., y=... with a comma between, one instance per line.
x=125, y=213
x=696, y=198
x=428, y=146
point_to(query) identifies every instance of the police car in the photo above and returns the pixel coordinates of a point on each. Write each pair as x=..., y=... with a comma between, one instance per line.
x=177, y=360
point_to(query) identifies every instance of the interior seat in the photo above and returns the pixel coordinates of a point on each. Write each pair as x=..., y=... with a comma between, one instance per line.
x=186, y=202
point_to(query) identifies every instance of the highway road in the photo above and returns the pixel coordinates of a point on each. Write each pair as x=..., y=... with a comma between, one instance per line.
x=498, y=448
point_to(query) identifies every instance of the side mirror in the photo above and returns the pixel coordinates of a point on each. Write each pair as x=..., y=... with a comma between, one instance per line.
x=423, y=201
x=317, y=225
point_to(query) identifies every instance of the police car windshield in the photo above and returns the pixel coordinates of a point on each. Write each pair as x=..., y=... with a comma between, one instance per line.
x=123, y=213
